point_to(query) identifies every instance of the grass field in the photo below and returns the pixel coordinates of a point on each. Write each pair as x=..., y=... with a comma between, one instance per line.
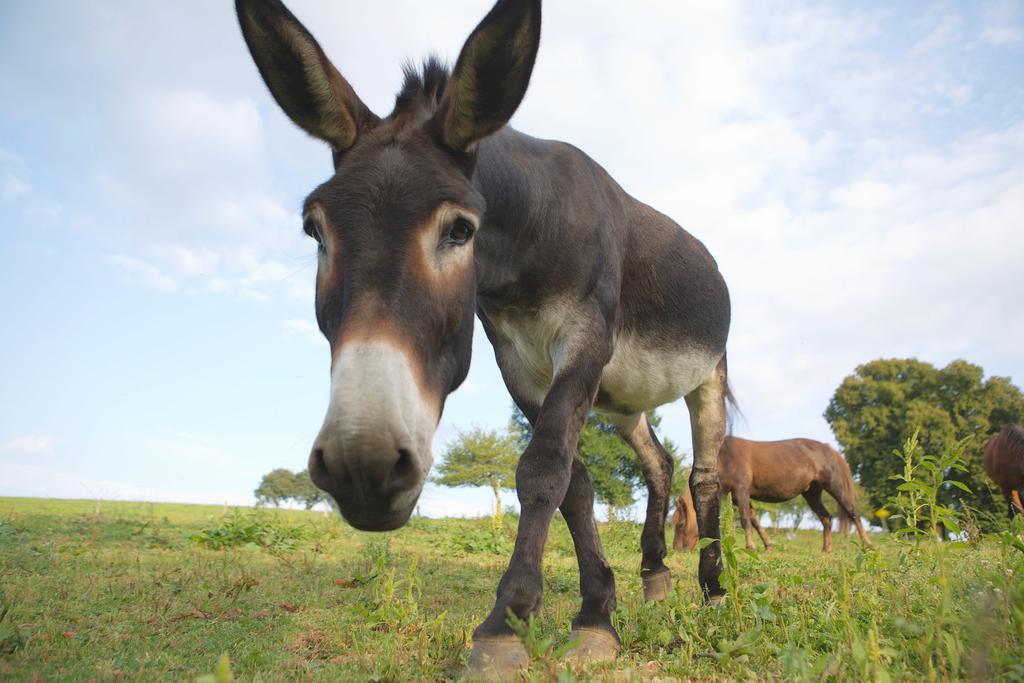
x=144, y=591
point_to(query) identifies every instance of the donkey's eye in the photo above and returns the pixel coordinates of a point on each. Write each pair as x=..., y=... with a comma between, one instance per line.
x=461, y=231
x=312, y=228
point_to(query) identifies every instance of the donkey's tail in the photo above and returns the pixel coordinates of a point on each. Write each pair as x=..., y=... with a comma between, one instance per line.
x=846, y=483
x=732, y=406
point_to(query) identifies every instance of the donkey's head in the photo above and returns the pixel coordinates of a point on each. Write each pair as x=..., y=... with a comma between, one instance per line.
x=394, y=228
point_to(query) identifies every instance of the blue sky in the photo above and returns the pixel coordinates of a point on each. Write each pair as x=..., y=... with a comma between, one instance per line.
x=856, y=168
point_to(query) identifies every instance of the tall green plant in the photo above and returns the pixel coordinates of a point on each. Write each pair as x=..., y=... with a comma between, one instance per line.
x=918, y=501
x=918, y=495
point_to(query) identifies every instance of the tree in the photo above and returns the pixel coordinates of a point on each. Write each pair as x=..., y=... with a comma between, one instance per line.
x=613, y=466
x=878, y=407
x=281, y=485
x=276, y=487
x=306, y=492
x=480, y=457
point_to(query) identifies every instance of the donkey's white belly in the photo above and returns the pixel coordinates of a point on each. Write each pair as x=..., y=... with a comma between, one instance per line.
x=638, y=377
x=642, y=377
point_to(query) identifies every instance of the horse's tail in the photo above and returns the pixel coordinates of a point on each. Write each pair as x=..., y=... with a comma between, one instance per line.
x=677, y=516
x=846, y=484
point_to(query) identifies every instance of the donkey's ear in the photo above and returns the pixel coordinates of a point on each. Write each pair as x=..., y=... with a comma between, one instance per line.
x=491, y=75
x=300, y=77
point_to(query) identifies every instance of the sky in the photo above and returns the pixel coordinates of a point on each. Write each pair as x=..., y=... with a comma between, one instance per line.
x=856, y=168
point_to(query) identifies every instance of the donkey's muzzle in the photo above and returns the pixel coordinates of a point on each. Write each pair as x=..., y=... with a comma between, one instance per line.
x=374, y=491
x=373, y=452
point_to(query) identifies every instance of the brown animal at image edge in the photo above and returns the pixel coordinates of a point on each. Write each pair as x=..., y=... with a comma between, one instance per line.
x=774, y=472
x=589, y=298
x=1004, y=465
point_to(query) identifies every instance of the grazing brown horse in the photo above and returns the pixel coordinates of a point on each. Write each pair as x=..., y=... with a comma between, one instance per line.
x=590, y=298
x=684, y=523
x=1004, y=464
x=773, y=472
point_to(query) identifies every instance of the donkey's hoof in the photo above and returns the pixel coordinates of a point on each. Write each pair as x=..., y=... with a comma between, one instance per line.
x=596, y=645
x=657, y=585
x=499, y=658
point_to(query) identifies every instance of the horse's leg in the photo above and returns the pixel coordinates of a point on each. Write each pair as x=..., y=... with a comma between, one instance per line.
x=542, y=481
x=593, y=624
x=760, y=532
x=678, y=526
x=657, y=466
x=813, y=498
x=1014, y=499
x=847, y=505
x=1008, y=499
x=742, y=499
x=706, y=404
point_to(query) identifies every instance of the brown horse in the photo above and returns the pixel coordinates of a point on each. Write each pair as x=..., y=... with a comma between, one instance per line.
x=684, y=523
x=590, y=298
x=773, y=472
x=1004, y=464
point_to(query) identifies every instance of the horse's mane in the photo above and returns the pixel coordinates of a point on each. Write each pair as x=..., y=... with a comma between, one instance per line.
x=1013, y=437
x=423, y=86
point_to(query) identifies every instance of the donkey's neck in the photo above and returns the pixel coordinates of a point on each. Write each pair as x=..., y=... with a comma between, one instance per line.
x=543, y=197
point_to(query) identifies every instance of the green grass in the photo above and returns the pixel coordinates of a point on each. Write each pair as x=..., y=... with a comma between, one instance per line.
x=137, y=591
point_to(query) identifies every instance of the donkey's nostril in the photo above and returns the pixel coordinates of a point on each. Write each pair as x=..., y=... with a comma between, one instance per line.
x=404, y=473
x=317, y=467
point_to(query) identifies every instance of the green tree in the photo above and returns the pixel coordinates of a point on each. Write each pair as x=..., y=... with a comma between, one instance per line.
x=876, y=409
x=306, y=491
x=613, y=466
x=276, y=487
x=480, y=457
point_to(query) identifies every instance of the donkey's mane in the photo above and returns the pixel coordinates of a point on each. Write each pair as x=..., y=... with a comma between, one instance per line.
x=423, y=86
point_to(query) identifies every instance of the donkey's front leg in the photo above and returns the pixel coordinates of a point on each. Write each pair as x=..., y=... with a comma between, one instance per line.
x=542, y=480
x=592, y=627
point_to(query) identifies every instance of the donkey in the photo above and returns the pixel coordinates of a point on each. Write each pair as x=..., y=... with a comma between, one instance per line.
x=773, y=472
x=1004, y=465
x=590, y=299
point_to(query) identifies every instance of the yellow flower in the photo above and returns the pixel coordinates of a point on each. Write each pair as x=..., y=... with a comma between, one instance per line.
x=882, y=513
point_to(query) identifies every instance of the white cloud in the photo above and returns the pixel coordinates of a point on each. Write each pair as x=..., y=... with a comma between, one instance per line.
x=185, y=123
x=23, y=478
x=31, y=444
x=183, y=448
x=189, y=261
x=12, y=187
x=1003, y=23
x=865, y=195
x=304, y=329
x=138, y=271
